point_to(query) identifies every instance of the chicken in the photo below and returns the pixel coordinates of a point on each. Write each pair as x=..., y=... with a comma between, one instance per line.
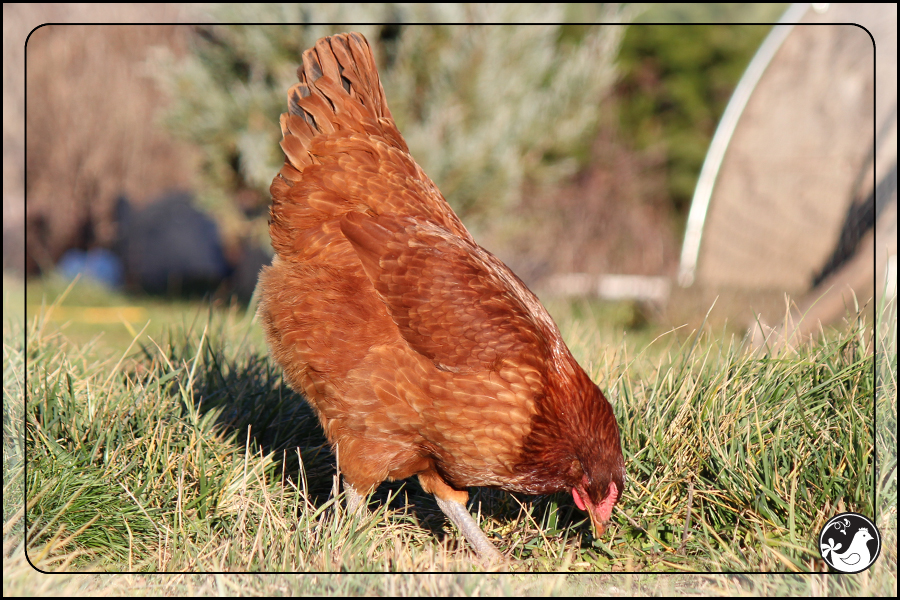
x=421, y=352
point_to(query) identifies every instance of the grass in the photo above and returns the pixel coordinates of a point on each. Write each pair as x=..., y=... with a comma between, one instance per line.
x=186, y=453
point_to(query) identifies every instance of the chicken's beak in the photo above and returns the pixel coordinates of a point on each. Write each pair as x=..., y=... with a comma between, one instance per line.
x=599, y=513
x=598, y=526
x=583, y=501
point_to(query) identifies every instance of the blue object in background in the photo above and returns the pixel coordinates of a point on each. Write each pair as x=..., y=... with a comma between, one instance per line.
x=99, y=265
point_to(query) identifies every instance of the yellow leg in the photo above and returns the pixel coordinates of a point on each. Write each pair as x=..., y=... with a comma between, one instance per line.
x=453, y=503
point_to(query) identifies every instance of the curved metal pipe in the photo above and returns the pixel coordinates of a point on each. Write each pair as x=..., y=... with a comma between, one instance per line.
x=690, y=249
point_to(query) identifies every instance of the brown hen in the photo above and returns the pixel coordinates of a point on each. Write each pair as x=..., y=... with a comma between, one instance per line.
x=420, y=351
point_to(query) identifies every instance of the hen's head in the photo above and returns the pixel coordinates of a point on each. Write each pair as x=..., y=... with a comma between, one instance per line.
x=597, y=476
x=574, y=445
x=598, y=504
x=596, y=472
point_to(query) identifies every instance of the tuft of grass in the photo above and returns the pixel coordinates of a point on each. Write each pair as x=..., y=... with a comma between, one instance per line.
x=186, y=452
x=738, y=459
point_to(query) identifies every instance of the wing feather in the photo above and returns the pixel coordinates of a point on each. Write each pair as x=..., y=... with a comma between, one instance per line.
x=452, y=301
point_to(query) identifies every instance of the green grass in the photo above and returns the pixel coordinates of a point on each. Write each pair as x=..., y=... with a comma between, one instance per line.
x=186, y=452
x=91, y=314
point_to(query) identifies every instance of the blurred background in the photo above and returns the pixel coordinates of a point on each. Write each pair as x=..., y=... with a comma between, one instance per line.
x=656, y=168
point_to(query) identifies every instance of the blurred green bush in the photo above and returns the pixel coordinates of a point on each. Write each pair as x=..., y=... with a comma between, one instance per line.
x=677, y=80
x=483, y=108
x=501, y=117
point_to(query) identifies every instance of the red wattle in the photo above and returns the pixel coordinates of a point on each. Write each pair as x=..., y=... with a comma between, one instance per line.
x=606, y=507
x=578, y=501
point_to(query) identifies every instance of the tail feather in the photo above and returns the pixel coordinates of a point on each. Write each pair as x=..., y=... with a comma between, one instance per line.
x=339, y=90
x=343, y=152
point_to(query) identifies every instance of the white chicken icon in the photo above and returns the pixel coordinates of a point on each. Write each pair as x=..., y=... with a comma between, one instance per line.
x=855, y=558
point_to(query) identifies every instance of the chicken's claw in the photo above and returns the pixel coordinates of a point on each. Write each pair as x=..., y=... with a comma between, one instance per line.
x=356, y=502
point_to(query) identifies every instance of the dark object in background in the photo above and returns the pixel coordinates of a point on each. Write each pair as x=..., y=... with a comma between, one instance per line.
x=98, y=264
x=860, y=219
x=170, y=247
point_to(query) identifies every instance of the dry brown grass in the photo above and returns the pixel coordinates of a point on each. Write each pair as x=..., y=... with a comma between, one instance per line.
x=92, y=124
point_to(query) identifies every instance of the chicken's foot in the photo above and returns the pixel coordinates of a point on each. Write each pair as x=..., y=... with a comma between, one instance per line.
x=457, y=513
x=356, y=502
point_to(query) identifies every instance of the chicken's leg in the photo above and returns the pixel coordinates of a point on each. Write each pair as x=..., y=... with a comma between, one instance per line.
x=461, y=518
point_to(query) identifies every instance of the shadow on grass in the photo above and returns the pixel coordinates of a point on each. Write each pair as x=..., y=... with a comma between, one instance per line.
x=247, y=387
